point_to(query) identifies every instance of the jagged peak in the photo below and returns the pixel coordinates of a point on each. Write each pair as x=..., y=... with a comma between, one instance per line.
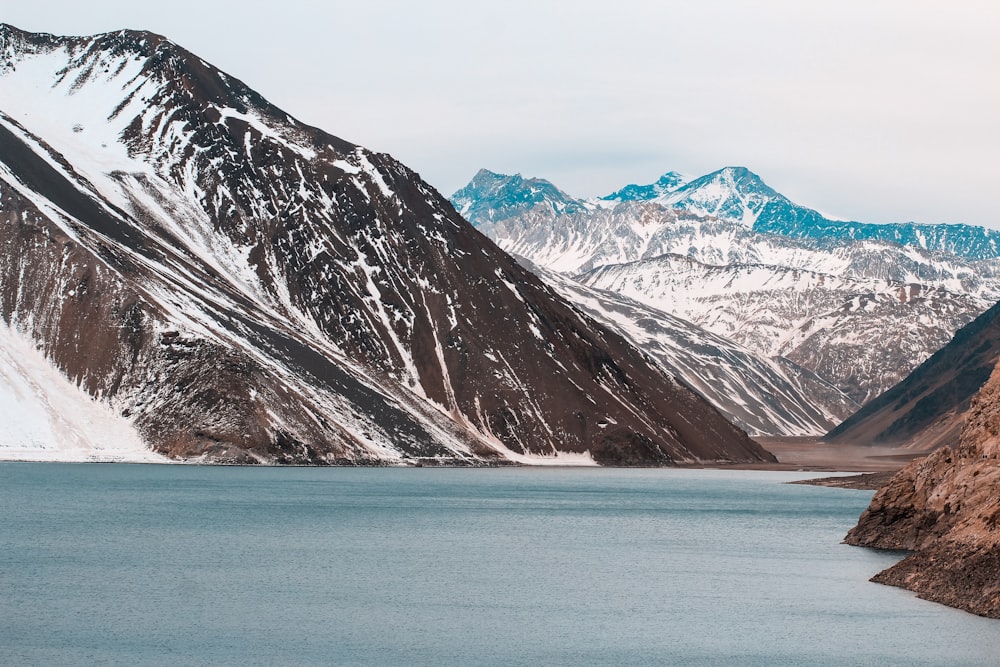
x=664, y=185
x=494, y=196
x=671, y=177
x=737, y=174
x=738, y=181
x=486, y=179
x=487, y=173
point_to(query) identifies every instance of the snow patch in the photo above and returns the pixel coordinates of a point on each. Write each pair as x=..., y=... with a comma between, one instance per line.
x=45, y=417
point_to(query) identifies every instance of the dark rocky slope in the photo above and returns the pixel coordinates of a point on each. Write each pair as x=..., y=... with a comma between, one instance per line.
x=244, y=287
x=928, y=408
x=945, y=508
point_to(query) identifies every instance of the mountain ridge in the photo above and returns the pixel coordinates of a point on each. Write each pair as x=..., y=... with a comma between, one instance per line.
x=251, y=289
x=739, y=195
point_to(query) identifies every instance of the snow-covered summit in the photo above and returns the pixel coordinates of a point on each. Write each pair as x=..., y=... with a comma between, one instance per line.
x=731, y=193
x=728, y=252
x=737, y=194
x=490, y=197
x=665, y=184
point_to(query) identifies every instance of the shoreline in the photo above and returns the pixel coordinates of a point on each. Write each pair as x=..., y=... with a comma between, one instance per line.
x=797, y=454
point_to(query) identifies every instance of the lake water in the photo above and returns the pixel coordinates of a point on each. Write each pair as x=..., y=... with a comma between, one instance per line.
x=133, y=564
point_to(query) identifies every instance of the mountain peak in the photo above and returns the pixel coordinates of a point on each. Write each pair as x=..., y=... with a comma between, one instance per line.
x=742, y=179
x=664, y=185
x=733, y=193
x=491, y=196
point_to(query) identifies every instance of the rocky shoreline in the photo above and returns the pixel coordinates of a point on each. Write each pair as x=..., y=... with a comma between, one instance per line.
x=869, y=481
x=945, y=510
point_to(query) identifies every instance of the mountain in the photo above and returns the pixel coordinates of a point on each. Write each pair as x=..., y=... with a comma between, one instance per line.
x=732, y=193
x=490, y=197
x=823, y=322
x=944, y=509
x=814, y=302
x=630, y=231
x=242, y=287
x=762, y=396
x=665, y=184
x=739, y=195
x=928, y=408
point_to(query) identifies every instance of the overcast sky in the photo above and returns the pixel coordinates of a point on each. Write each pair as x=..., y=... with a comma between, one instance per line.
x=873, y=110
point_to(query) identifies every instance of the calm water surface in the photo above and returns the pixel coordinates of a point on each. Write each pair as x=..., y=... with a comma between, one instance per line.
x=121, y=564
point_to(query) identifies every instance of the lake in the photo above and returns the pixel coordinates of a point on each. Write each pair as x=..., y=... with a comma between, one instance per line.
x=177, y=564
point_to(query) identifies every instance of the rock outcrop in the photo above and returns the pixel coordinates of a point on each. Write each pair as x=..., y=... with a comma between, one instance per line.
x=945, y=509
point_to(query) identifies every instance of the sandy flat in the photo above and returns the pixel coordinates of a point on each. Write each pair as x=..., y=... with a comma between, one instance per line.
x=813, y=455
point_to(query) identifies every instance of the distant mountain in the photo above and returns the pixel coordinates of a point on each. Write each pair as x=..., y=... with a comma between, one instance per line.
x=696, y=252
x=739, y=195
x=822, y=322
x=735, y=194
x=238, y=286
x=762, y=396
x=490, y=197
x=928, y=407
x=665, y=184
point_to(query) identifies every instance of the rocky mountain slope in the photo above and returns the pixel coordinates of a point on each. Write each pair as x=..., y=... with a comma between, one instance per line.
x=928, y=408
x=243, y=287
x=815, y=302
x=825, y=323
x=762, y=396
x=945, y=508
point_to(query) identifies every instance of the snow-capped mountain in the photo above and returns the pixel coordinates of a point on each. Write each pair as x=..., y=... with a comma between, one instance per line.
x=240, y=286
x=822, y=322
x=815, y=301
x=574, y=243
x=490, y=196
x=762, y=396
x=739, y=195
x=733, y=194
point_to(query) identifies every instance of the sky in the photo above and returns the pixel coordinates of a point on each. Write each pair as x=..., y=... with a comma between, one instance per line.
x=871, y=110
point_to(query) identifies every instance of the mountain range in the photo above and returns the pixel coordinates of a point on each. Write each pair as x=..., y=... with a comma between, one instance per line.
x=708, y=250
x=234, y=285
x=731, y=193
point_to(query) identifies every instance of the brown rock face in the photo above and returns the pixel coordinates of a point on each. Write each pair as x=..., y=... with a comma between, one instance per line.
x=946, y=509
x=243, y=287
x=929, y=407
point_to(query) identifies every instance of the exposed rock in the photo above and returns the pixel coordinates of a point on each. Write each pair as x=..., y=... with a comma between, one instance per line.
x=869, y=481
x=762, y=396
x=243, y=287
x=945, y=508
x=928, y=408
